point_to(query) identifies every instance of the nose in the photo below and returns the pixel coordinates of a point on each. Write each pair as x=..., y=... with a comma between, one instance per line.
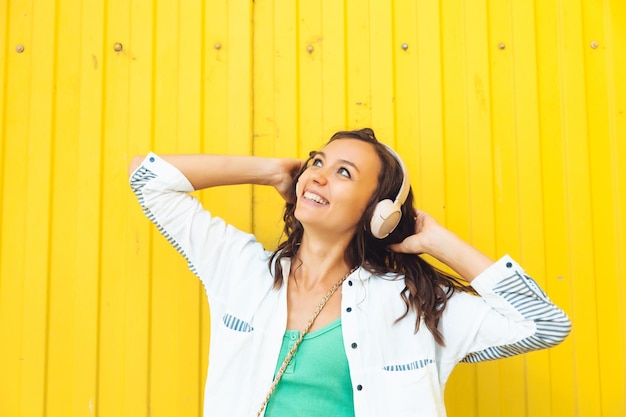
x=319, y=176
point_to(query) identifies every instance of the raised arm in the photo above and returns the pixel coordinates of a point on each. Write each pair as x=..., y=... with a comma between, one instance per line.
x=435, y=240
x=514, y=315
x=205, y=170
x=214, y=249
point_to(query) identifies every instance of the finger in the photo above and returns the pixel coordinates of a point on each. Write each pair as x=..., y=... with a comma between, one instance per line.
x=398, y=247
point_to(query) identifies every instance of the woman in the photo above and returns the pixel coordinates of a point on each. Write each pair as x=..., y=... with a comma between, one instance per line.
x=344, y=318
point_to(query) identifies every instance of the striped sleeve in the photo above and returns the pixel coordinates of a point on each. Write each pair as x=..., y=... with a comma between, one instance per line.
x=518, y=298
x=215, y=251
x=139, y=183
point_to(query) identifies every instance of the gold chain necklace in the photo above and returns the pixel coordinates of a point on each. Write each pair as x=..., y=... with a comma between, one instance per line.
x=294, y=348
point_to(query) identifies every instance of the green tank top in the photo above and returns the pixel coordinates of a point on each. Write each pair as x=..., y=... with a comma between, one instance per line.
x=317, y=380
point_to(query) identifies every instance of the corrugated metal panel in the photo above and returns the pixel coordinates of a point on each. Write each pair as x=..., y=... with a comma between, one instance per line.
x=510, y=116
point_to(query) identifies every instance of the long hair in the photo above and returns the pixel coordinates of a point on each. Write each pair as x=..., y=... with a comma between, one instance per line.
x=427, y=288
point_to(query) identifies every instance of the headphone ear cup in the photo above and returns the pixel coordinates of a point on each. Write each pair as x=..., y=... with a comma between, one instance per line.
x=385, y=218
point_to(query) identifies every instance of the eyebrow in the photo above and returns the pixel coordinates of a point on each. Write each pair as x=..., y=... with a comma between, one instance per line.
x=344, y=161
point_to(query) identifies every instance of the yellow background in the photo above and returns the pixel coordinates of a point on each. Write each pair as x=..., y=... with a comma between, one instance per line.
x=509, y=115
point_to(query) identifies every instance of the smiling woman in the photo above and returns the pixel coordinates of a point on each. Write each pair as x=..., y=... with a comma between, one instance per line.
x=340, y=309
x=333, y=192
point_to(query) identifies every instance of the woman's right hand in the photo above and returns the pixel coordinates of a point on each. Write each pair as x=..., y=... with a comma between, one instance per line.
x=289, y=168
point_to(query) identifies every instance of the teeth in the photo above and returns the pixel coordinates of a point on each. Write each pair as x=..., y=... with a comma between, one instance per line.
x=314, y=197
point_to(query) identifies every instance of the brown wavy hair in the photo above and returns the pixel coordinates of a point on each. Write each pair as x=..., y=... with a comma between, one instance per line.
x=427, y=288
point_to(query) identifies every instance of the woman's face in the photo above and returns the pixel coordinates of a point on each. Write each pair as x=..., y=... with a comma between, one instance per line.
x=333, y=192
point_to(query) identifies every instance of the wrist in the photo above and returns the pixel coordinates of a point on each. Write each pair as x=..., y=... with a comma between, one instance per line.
x=263, y=171
x=441, y=242
x=281, y=172
x=458, y=255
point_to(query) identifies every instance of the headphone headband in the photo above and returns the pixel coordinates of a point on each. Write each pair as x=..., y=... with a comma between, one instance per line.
x=387, y=213
x=403, y=192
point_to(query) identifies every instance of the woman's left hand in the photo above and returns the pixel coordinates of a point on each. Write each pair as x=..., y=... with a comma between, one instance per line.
x=435, y=240
x=426, y=231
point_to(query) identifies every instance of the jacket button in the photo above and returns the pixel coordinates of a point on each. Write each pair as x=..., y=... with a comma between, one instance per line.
x=359, y=387
x=349, y=309
x=509, y=264
x=354, y=345
x=350, y=283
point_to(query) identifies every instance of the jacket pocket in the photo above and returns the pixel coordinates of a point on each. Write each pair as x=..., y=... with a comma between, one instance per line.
x=410, y=366
x=233, y=323
x=410, y=389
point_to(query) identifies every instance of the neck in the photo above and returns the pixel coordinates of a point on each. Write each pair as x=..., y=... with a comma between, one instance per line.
x=319, y=264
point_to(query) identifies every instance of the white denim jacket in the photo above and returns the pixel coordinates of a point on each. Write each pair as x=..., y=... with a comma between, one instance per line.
x=394, y=371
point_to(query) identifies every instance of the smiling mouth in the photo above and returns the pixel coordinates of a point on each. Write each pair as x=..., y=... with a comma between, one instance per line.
x=314, y=197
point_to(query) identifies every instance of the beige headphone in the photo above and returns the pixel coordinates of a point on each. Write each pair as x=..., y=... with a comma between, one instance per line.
x=387, y=213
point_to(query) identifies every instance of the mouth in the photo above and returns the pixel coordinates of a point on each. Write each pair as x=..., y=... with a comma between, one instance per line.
x=314, y=197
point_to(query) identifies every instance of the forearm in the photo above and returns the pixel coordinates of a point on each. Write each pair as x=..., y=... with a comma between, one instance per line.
x=460, y=256
x=204, y=171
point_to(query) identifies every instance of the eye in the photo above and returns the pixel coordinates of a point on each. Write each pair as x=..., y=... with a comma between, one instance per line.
x=343, y=171
x=317, y=162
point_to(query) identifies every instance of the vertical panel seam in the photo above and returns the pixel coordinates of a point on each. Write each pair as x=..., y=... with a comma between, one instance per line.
x=592, y=209
x=614, y=148
x=346, y=105
x=100, y=207
x=202, y=127
x=394, y=78
x=444, y=133
x=542, y=176
x=252, y=109
x=466, y=123
x=3, y=118
x=489, y=94
x=298, y=79
x=150, y=323
x=51, y=175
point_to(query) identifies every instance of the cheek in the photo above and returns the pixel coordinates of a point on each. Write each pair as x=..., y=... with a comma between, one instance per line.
x=361, y=204
x=303, y=178
x=356, y=204
x=299, y=186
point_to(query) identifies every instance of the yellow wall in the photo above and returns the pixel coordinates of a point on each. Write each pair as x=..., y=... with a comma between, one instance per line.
x=509, y=114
